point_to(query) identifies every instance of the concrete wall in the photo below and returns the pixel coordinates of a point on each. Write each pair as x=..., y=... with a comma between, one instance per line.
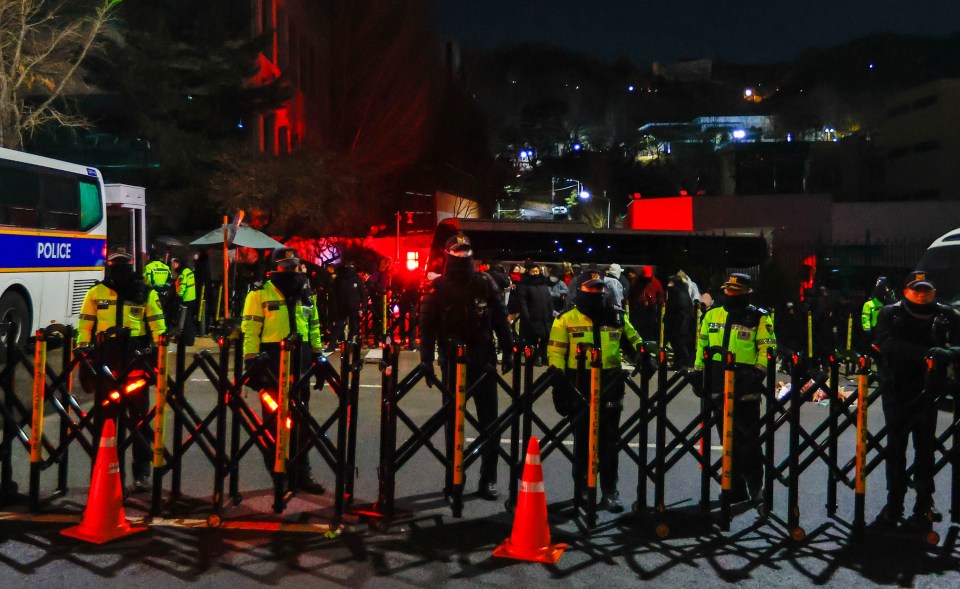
x=911, y=221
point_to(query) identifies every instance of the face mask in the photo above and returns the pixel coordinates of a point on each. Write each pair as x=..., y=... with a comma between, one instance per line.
x=458, y=264
x=736, y=302
x=120, y=274
x=290, y=284
x=590, y=304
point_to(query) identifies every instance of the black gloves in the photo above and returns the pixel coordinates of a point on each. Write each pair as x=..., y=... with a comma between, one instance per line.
x=696, y=382
x=943, y=356
x=86, y=348
x=254, y=371
x=506, y=362
x=648, y=368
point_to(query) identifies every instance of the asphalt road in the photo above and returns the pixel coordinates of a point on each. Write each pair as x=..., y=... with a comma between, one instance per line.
x=425, y=546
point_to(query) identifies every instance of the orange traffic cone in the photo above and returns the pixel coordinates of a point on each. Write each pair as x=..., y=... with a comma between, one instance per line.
x=530, y=539
x=103, y=519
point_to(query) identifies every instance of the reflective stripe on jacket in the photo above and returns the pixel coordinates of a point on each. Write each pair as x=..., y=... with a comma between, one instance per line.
x=265, y=320
x=99, y=313
x=573, y=327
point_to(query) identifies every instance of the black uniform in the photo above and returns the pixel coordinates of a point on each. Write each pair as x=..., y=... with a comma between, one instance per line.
x=904, y=338
x=464, y=307
x=350, y=295
x=680, y=324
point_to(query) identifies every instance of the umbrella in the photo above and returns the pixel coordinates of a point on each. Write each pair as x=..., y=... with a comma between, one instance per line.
x=242, y=236
x=168, y=241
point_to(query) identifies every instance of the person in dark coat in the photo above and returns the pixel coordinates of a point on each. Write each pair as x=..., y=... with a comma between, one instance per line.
x=906, y=332
x=646, y=298
x=499, y=275
x=349, y=293
x=463, y=307
x=536, y=311
x=790, y=329
x=679, y=322
x=206, y=290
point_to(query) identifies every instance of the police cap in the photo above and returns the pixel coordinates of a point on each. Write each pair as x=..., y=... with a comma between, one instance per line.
x=737, y=284
x=458, y=244
x=119, y=255
x=919, y=279
x=285, y=259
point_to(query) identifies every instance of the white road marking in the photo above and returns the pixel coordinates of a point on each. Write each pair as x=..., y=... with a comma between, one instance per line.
x=505, y=441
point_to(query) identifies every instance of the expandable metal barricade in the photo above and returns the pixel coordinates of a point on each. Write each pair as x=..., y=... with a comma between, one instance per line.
x=227, y=433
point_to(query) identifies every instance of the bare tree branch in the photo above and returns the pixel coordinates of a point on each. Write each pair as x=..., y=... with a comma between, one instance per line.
x=41, y=52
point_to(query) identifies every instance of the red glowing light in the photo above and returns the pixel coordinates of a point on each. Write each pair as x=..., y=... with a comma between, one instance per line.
x=268, y=401
x=660, y=214
x=135, y=385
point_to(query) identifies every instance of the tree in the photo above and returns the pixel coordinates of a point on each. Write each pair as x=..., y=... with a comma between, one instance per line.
x=42, y=48
x=178, y=79
x=302, y=193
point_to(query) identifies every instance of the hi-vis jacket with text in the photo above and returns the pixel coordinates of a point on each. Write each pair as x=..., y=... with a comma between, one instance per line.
x=156, y=274
x=99, y=313
x=573, y=327
x=751, y=336
x=265, y=320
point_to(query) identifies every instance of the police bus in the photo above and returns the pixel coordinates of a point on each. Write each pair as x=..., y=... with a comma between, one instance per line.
x=53, y=239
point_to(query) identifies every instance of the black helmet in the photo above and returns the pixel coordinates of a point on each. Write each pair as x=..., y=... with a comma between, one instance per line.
x=881, y=287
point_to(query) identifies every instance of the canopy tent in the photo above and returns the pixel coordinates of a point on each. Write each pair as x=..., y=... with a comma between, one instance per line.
x=241, y=236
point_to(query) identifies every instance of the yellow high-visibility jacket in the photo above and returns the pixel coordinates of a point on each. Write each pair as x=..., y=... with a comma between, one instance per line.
x=573, y=327
x=265, y=319
x=750, y=338
x=99, y=313
x=869, y=314
x=186, y=285
x=156, y=274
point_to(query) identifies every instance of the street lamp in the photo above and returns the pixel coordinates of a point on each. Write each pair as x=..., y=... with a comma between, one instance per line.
x=553, y=192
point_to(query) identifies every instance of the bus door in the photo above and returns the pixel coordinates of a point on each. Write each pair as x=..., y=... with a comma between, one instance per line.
x=126, y=220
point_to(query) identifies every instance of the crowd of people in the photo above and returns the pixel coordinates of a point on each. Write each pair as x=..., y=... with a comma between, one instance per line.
x=553, y=308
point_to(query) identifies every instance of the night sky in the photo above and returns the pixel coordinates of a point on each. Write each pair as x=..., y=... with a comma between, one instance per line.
x=740, y=31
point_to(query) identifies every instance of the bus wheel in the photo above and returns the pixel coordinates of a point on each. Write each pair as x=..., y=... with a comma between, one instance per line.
x=14, y=310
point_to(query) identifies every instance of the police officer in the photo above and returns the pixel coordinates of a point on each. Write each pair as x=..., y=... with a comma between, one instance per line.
x=123, y=300
x=593, y=319
x=185, y=287
x=882, y=295
x=464, y=307
x=906, y=332
x=282, y=305
x=747, y=331
x=158, y=276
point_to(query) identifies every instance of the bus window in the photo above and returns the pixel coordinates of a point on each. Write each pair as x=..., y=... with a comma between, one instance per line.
x=60, y=203
x=91, y=205
x=19, y=193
